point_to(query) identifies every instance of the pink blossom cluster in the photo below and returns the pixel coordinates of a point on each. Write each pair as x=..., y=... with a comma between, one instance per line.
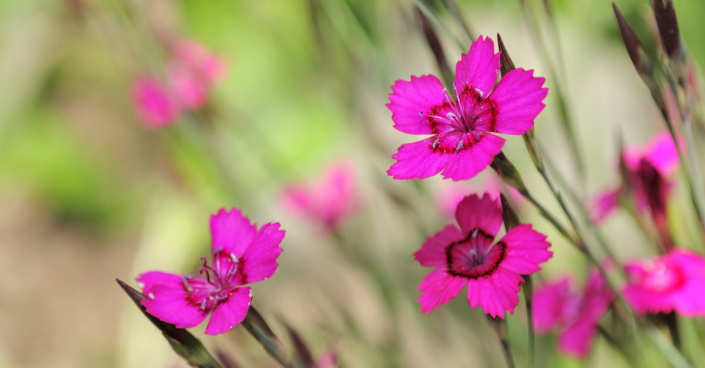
x=189, y=76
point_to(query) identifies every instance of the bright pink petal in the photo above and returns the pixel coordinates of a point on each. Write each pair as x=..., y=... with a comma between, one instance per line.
x=209, y=66
x=468, y=162
x=298, y=200
x=483, y=213
x=231, y=232
x=519, y=98
x=688, y=300
x=167, y=299
x=496, y=293
x=230, y=313
x=596, y=299
x=189, y=88
x=662, y=153
x=417, y=161
x=526, y=249
x=577, y=339
x=437, y=288
x=433, y=251
x=549, y=304
x=154, y=101
x=479, y=68
x=411, y=100
x=259, y=261
x=604, y=204
x=328, y=359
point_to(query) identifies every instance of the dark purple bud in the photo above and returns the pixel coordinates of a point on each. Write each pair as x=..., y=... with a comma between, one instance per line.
x=511, y=220
x=667, y=27
x=506, y=63
x=633, y=44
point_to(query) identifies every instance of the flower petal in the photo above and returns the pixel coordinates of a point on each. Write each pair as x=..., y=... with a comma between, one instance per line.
x=433, y=251
x=437, y=288
x=549, y=304
x=412, y=99
x=167, y=299
x=519, y=98
x=578, y=338
x=662, y=153
x=259, y=261
x=232, y=232
x=230, y=312
x=526, y=249
x=155, y=102
x=470, y=161
x=604, y=203
x=483, y=213
x=495, y=293
x=417, y=161
x=478, y=68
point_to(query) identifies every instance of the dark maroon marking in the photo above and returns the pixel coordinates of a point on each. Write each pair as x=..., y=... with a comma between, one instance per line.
x=493, y=109
x=480, y=233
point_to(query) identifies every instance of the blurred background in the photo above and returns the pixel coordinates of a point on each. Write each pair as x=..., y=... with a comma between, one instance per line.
x=90, y=193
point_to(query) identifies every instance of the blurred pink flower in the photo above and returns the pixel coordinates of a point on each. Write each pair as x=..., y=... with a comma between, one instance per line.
x=327, y=200
x=191, y=73
x=461, y=145
x=155, y=102
x=575, y=313
x=466, y=256
x=241, y=255
x=647, y=169
x=671, y=283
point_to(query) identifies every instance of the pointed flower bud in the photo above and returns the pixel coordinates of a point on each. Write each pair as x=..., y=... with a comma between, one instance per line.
x=634, y=46
x=668, y=27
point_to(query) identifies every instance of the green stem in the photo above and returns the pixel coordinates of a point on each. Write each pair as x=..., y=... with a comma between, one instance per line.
x=528, y=294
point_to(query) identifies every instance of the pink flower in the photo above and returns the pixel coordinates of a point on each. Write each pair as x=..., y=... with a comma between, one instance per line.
x=327, y=200
x=575, y=313
x=647, y=169
x=466, y=256
x=673, y=282
x=155, y=102
x=191, y=73
x=242, y=255
x=461, y=144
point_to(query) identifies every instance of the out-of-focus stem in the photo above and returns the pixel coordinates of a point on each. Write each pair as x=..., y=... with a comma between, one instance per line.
x=500, y=328
x=563, y=112
x=528, y=295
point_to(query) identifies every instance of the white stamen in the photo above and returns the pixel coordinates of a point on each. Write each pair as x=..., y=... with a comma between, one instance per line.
x=459, y=146
x=151, y=296
x=140, y=285
x=233, y=257
x=474, y=233
x=482, y=94
x=435, y=143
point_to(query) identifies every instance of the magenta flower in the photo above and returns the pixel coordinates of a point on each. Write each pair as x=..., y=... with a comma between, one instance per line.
x=242, y=255
x=190, y=75
x=647, y=170
x=328, y=200
x=155, y=102
x=575, y=313
x=467, y=256
x=669, y=283
x=461, y=144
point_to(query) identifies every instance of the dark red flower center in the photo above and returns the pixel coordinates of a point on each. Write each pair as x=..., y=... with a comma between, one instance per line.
x=217, y=283
x=460, y=124
x=474, y=256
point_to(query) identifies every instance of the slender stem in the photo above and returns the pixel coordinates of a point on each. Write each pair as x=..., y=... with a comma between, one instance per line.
x=528, y=294
x=500, y=328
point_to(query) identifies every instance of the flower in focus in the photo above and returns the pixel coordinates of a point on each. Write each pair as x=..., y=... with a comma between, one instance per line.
x=467, y=256
x=669, y=283
x=155, y=102
x=190, y=73
x=328, y=200
x=647, y=170
x=575, y=313
x=461, y=144
x=241, y=255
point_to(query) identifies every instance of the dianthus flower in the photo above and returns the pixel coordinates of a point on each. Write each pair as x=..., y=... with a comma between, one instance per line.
x=671, y=283
x=461, y=143
x=241, y=255
x=190, y=74
x=328, y=200
x=467, y=256
x=575, y=313
x=647, y=170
